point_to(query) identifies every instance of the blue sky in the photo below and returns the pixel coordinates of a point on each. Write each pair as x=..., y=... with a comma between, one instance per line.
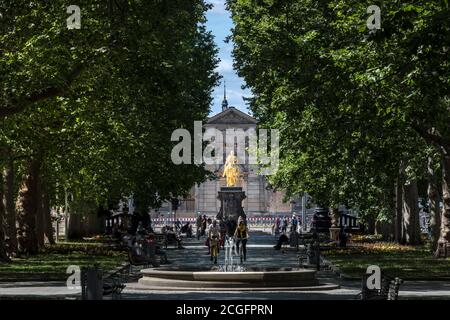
x=220, y=23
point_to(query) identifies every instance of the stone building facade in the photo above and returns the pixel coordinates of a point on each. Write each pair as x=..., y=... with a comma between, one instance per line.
x=261, y=199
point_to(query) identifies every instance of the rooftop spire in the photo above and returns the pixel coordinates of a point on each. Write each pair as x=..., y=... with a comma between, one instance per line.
x=225, y=89
x=224, y=102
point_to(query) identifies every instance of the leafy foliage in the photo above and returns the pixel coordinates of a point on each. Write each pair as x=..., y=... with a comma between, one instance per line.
x=98, y=104
x=352, y=104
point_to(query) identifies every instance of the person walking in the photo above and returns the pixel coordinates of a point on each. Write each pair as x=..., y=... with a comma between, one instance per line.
x=277, y=225
x=241, y=235
x=223, y=231
x=213, y=236
x=294, y=223
x=199, y=224
x=203, y=225
x=177, y=225
x=284, y=225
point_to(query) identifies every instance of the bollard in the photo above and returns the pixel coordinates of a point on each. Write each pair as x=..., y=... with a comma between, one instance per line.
x=94, y=284
x=313, y=255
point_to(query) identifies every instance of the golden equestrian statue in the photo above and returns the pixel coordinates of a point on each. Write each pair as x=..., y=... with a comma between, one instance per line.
x=231, y=170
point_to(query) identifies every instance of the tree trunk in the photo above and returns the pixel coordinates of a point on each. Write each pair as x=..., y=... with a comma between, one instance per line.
x=40, y=225
x=444, y=238
x=383, y=228
x=370, y=223
x=434, y=201
x=3, y=253
x=398, y=233
x=10, y=209
x=74, y=226
x=73, y=220
x=411, y=223
x=27, y=208
x=48, y=225
x=387, y=227
x=95, y=223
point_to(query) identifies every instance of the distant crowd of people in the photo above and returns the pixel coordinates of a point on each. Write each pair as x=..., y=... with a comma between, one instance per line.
x=214, y=233
x=282, y=225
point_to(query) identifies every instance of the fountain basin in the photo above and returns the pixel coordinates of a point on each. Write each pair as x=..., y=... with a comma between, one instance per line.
x=254, y=279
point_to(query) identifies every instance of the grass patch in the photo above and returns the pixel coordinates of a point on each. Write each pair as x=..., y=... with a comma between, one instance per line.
x=406, y=262
x=52, y=263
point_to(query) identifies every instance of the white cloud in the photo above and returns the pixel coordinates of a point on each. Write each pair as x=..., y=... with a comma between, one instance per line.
x=219, y=6
x=234, y=97
x=225, y=65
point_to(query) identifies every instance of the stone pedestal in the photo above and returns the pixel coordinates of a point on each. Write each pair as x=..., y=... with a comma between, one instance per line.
x=231, y=207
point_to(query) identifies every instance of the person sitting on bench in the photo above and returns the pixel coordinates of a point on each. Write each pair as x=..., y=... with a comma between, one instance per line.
x=187, y=229
x=171, y=236
x=281, y=240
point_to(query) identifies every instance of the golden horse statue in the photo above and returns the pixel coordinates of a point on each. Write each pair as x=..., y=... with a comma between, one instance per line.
x=231, y=170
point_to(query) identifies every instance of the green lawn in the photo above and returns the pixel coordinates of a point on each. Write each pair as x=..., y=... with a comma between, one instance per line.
x=53, y=262
x=406, y=262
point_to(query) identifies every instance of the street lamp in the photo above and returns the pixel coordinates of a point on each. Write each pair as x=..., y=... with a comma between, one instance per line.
x=175, y=205
x=304, y=211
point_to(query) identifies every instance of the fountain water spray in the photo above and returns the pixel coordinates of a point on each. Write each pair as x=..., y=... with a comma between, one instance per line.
x=229, y=245
x=229, y=265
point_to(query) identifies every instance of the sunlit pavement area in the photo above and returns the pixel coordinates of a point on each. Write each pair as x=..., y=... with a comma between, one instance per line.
x=260, y=253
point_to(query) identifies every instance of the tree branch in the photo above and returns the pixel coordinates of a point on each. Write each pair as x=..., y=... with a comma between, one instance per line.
x=37, y=96
x=431, y=138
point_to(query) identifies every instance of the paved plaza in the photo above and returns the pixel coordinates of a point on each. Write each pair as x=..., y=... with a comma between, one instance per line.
x=260, y=254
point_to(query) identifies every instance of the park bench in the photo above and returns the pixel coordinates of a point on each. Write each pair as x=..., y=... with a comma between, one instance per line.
x=160, y=239
x=171, y=239
x=94, y=285
x=187, y=230
x=388, y=291
x=141, y=260
x=114, y=283
x=137, y=257
x=305, y=238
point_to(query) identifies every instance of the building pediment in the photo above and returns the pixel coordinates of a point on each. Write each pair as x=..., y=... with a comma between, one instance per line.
x=232, y=116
